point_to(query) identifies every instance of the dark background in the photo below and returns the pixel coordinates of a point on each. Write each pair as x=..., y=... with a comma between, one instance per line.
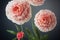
x=53, y=5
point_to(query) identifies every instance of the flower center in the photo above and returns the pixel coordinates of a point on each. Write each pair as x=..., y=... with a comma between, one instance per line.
x=17, y=9
x=45, y=21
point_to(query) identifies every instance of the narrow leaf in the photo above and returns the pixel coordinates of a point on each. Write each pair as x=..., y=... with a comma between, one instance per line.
x=14, y=38
x=12, y=32
x=45, y=37
x=30, y=34
x=36, y=31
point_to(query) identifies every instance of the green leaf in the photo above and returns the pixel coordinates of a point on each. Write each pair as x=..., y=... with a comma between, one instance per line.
x=14, y=38
x=36, y=31
x=12, y=32
x=45, y=37
x=30, y=34
x=33, y=38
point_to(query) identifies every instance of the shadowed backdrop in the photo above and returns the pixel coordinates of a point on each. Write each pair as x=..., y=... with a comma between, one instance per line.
x=53, y=5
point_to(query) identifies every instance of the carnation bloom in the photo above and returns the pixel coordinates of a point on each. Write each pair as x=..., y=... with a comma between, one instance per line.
x=16, y=0
x=36, y=2
x=18, y=12
x=20, y=35
x=45, y=20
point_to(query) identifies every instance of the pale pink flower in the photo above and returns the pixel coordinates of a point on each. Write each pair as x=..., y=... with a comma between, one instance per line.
x=18, y=12
x=36, y=2
x=16, y=0
x=45, y=20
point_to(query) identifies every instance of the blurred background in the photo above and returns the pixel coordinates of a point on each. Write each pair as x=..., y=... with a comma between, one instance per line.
x=53, y=5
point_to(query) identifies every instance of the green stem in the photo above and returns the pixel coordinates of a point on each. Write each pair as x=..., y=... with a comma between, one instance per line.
x=17, y=27
x=21, y=28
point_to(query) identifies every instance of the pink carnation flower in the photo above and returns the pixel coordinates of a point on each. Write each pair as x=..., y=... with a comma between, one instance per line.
x=19, y=0
x=36, y=2
x=18, y=12
x=45, y=20
x=20, y=35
